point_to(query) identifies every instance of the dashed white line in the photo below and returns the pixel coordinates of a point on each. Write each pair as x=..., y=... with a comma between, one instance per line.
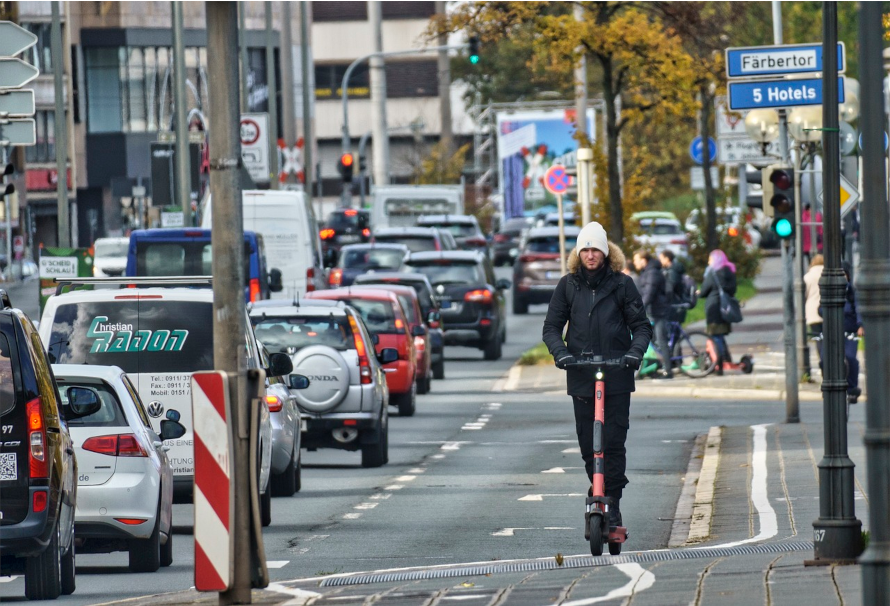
x=393, y=487
x=437, y=456
x=452, y=445
x=380, y=496
x=351, y=516
x=576, y=450
x=510, y=532
x=558, y=469
x=277, y=563
x=406, y=478
x=417, y=470
x=540, y=497
x=366, y=505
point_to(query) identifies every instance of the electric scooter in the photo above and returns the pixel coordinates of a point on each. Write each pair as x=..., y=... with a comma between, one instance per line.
x=745, y=363
x=596, y=516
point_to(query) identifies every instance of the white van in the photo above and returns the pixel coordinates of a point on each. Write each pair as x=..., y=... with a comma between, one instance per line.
x=290, y=233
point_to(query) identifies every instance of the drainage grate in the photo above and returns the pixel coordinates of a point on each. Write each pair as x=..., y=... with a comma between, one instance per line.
x=576, y=562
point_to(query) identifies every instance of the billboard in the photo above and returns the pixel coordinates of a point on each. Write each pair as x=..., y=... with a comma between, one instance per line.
x=530, y=142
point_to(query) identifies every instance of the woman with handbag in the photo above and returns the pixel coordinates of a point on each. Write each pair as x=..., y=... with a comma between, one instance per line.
x=721, y=308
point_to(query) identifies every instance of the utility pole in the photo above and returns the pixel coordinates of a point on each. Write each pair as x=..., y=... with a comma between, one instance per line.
x=874, y=294
x=228, y=272
x=580, y=84
x=183, y=178
x=61, y=134
x=380, y=136
x=288, y=98
x=837, y=532
x=272, y=85
x=444, y=65
x=308, y=171
x=792, y=401
x=245, y=61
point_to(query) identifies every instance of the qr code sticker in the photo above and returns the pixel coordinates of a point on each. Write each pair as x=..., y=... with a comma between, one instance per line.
x=8, y=467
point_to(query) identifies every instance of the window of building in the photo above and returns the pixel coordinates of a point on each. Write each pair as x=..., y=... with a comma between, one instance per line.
x=329, y=78
x=104, y=111
x=39, y=55
x=45, y=148
x=339, y=11
x=417, y=78
x=393, y=10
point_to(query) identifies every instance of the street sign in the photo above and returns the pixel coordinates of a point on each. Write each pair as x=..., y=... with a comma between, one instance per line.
x=14, y=39
x=737, y=150
x=15, y=73
x=17, y=103
x=697, y=178
x=754, y=61
x=763, y=94
x=18, y=132
x=696, y=150
x=849, y=196
x=255, y=146
x=557, y=180
x=729, y=124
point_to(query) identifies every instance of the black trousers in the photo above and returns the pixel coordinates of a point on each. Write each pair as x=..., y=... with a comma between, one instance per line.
x=617, y=423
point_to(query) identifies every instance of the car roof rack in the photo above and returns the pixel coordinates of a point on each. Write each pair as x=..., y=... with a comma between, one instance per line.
x=135, y=281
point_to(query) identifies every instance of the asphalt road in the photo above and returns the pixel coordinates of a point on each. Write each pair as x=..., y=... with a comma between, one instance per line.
x=475, y=475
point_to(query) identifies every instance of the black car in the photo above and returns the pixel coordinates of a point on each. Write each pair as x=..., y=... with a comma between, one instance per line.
x=508, y=240
x=344, y=226
x=429, y=307
x=464, y=228
x=38, y=470
x=471, y=298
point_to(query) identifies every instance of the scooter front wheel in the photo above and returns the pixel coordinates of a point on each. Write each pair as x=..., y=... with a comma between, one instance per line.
x=596, y=536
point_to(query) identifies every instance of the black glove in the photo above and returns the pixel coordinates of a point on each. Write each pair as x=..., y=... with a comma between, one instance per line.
x=564, y=360
x=631, y=361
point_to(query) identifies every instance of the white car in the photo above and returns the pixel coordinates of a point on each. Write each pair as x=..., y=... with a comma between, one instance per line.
x=732, y=220
x=125, y=483
x=159, y=334
x=663, y=234
x=110, y=256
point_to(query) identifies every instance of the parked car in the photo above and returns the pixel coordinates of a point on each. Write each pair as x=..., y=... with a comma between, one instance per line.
x=429, y=308
x=663, y=234
x=110, y=256
x=124, y=482
x=417, y=239
x=284, y=414
x=38, y=469
x=733, y=221
x=416, y=327
x=174, y=339
x=385, y=319
x=345, y=226
x=346, y=404
x=538, y=270
x=471, y=298
x=507, y=240
x=552, y=219
x=357, y=259
x=465, y=229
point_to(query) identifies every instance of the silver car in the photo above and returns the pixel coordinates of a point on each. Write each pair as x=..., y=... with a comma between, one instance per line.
x=125, y=482
x=284, y=413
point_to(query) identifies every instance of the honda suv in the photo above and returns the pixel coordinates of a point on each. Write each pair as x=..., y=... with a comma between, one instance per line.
x=38, y=470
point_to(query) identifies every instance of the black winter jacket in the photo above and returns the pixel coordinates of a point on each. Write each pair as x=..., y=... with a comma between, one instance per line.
x=652, y=290
x=709, y=289
x=599, y=323
x=673, y=283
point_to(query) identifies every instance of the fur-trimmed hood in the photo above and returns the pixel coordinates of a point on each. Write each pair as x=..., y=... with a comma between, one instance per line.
x=616, y=258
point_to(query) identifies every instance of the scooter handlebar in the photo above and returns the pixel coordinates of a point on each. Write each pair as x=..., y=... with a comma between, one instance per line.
x=596, y=361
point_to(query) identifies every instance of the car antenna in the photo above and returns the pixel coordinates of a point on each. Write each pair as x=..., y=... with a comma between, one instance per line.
x=296, y=295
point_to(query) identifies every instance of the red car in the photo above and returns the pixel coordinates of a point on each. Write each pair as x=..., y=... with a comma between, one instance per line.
x=411, y=305
x=385, y=318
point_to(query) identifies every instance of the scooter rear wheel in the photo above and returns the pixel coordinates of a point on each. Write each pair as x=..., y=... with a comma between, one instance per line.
x=614, y=548
x=596, y=536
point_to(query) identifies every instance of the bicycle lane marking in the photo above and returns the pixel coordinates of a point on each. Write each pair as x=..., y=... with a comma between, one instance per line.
x=640, y=580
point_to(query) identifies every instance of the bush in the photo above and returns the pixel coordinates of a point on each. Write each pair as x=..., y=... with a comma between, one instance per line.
x=747, y=262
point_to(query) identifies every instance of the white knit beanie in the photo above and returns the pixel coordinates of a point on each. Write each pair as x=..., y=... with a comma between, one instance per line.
x=593, y=235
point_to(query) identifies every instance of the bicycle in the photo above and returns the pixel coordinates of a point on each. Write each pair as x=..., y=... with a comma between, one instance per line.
x=596, y=516
x=690, y=352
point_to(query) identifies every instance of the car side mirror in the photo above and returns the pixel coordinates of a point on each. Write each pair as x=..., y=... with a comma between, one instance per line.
x=330, y=257
x=418, y=331
x=388, y=355
x=298, y=381
x=503, y=284
x=171, y=430
x=275, y=284
x=279, y=365
x=173, y=415
x=82, y=402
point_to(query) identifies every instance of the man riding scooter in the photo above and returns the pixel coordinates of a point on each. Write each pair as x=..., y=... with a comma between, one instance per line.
x=606, y=317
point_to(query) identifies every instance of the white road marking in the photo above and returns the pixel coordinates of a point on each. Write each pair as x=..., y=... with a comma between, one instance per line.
x=640, y=580
x=513, y=378
x=380, y=496
x=469, y=428
x=393, y=487
x=417, y=470
x=351, y=516
x=406, y=478
x=557, y=442
x=300, y=596
x=366, y=505
x=576, y=450
x=277, y=563
x=510, y=532
x=484, y=416
x=540, y=497
x=452, y=445
x=8, y=579
x=493, y=406
x=554, y=470
x=437, y=456
x=460, y=598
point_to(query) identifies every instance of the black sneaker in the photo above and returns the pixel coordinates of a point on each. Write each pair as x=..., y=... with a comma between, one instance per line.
x=853, y=395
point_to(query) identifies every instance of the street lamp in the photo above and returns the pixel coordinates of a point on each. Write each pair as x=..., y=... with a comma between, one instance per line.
x=762, y=125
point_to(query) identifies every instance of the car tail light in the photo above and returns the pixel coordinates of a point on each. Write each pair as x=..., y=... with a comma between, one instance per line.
x=37, y=463
x=419, y=343
x=366, y=232
x=130, y=521
x=350, y=422
x=485, y=321
x=327, y=234
x=38, y=502
x=680, y=241
x=363, y=362
x=118, y=445
x=310, y=276
x=274, y=403
x=336, y=277
x=254, y=289
x=482, y=295
x=475, y=241
x=350, y=212
x=501, y=238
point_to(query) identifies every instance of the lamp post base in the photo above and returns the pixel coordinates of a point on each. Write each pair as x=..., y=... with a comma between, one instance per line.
x=837, y=541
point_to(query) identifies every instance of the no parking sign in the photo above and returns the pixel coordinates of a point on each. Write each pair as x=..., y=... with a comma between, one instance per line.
x=557, y=180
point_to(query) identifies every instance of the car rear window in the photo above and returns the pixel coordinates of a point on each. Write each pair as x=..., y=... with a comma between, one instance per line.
x=343, y=220
x=414, y=243
x=458, y=230
x=549, y=244
x=291, y=334
x=665, y=229
x=111, y=248
x=110, y=415
x=379, y=316
x=7, y=386
x=140, y=336
x=187, y=258
x=372, y=258
x=449, y=271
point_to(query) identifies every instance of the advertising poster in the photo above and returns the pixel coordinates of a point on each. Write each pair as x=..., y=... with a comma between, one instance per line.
x=58, y=264
x=529, y=142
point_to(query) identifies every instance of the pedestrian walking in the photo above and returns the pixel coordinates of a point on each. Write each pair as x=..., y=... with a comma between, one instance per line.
x=720, y=274
x=814, y=301
x=852, y=326
x=606, y=317
x=674, y=285
x=652, y=290
x=807, y=216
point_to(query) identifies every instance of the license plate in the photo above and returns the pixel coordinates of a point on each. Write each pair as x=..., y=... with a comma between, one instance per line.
x=553, y=275
x=8, y=466
x=304, y=427
x=445, y=303
x=347, y=239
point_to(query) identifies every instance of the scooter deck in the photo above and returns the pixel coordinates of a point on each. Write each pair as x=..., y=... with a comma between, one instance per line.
x=617, y=534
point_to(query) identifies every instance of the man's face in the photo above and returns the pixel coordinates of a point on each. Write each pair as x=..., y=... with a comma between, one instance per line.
x=639, y=263
x=665, y=262
x=592, y=258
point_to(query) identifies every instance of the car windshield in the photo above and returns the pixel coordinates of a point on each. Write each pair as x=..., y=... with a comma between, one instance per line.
x=414, y=243
x=140, y=336
x=549, y=244
x=449, y=271
x=109, y=415
x=186, y=258
x=379, y=316
x=372, y=258
x=111, y=248
x=290, y=334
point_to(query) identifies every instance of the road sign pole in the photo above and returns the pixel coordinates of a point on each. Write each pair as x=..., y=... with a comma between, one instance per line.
x=183, y=180
x=10, y=275
x=61, y=133
x=562, y=236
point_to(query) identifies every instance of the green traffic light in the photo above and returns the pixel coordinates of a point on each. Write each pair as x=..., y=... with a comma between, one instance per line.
x=783, y=228
x=474, y=59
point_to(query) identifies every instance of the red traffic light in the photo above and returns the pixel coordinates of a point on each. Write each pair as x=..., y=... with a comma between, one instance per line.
x=781, y=179
x=347, y=160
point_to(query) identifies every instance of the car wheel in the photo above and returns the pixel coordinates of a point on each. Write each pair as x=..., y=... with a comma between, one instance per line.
x=167, y=549
x=423, y=385
x=68, y=581
x=439, y=369
x=493, y=349
x=520, y=306
x=43, y=573
x=266, y=507
x=375, y=455
x=285, y=483
x=407, y=402
x=145, y=554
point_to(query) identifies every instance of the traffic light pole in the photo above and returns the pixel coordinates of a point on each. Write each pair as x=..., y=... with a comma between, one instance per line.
x=7, y=209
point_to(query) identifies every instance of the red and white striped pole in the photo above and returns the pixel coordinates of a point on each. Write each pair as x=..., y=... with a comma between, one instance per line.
x=214, y=490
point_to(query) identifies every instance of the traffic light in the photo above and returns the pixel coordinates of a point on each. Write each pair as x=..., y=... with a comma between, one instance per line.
x=7, y=189
x=346, y=165
x=474, y=50
x=778, y=199
x=754, y=195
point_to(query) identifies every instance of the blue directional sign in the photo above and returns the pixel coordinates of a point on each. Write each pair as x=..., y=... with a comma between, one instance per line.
x=755, y=61
x=696, y=150
x=762, y=94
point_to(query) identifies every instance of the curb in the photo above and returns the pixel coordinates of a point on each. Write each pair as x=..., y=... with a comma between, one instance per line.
x=723, y=392
x=703, y=508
